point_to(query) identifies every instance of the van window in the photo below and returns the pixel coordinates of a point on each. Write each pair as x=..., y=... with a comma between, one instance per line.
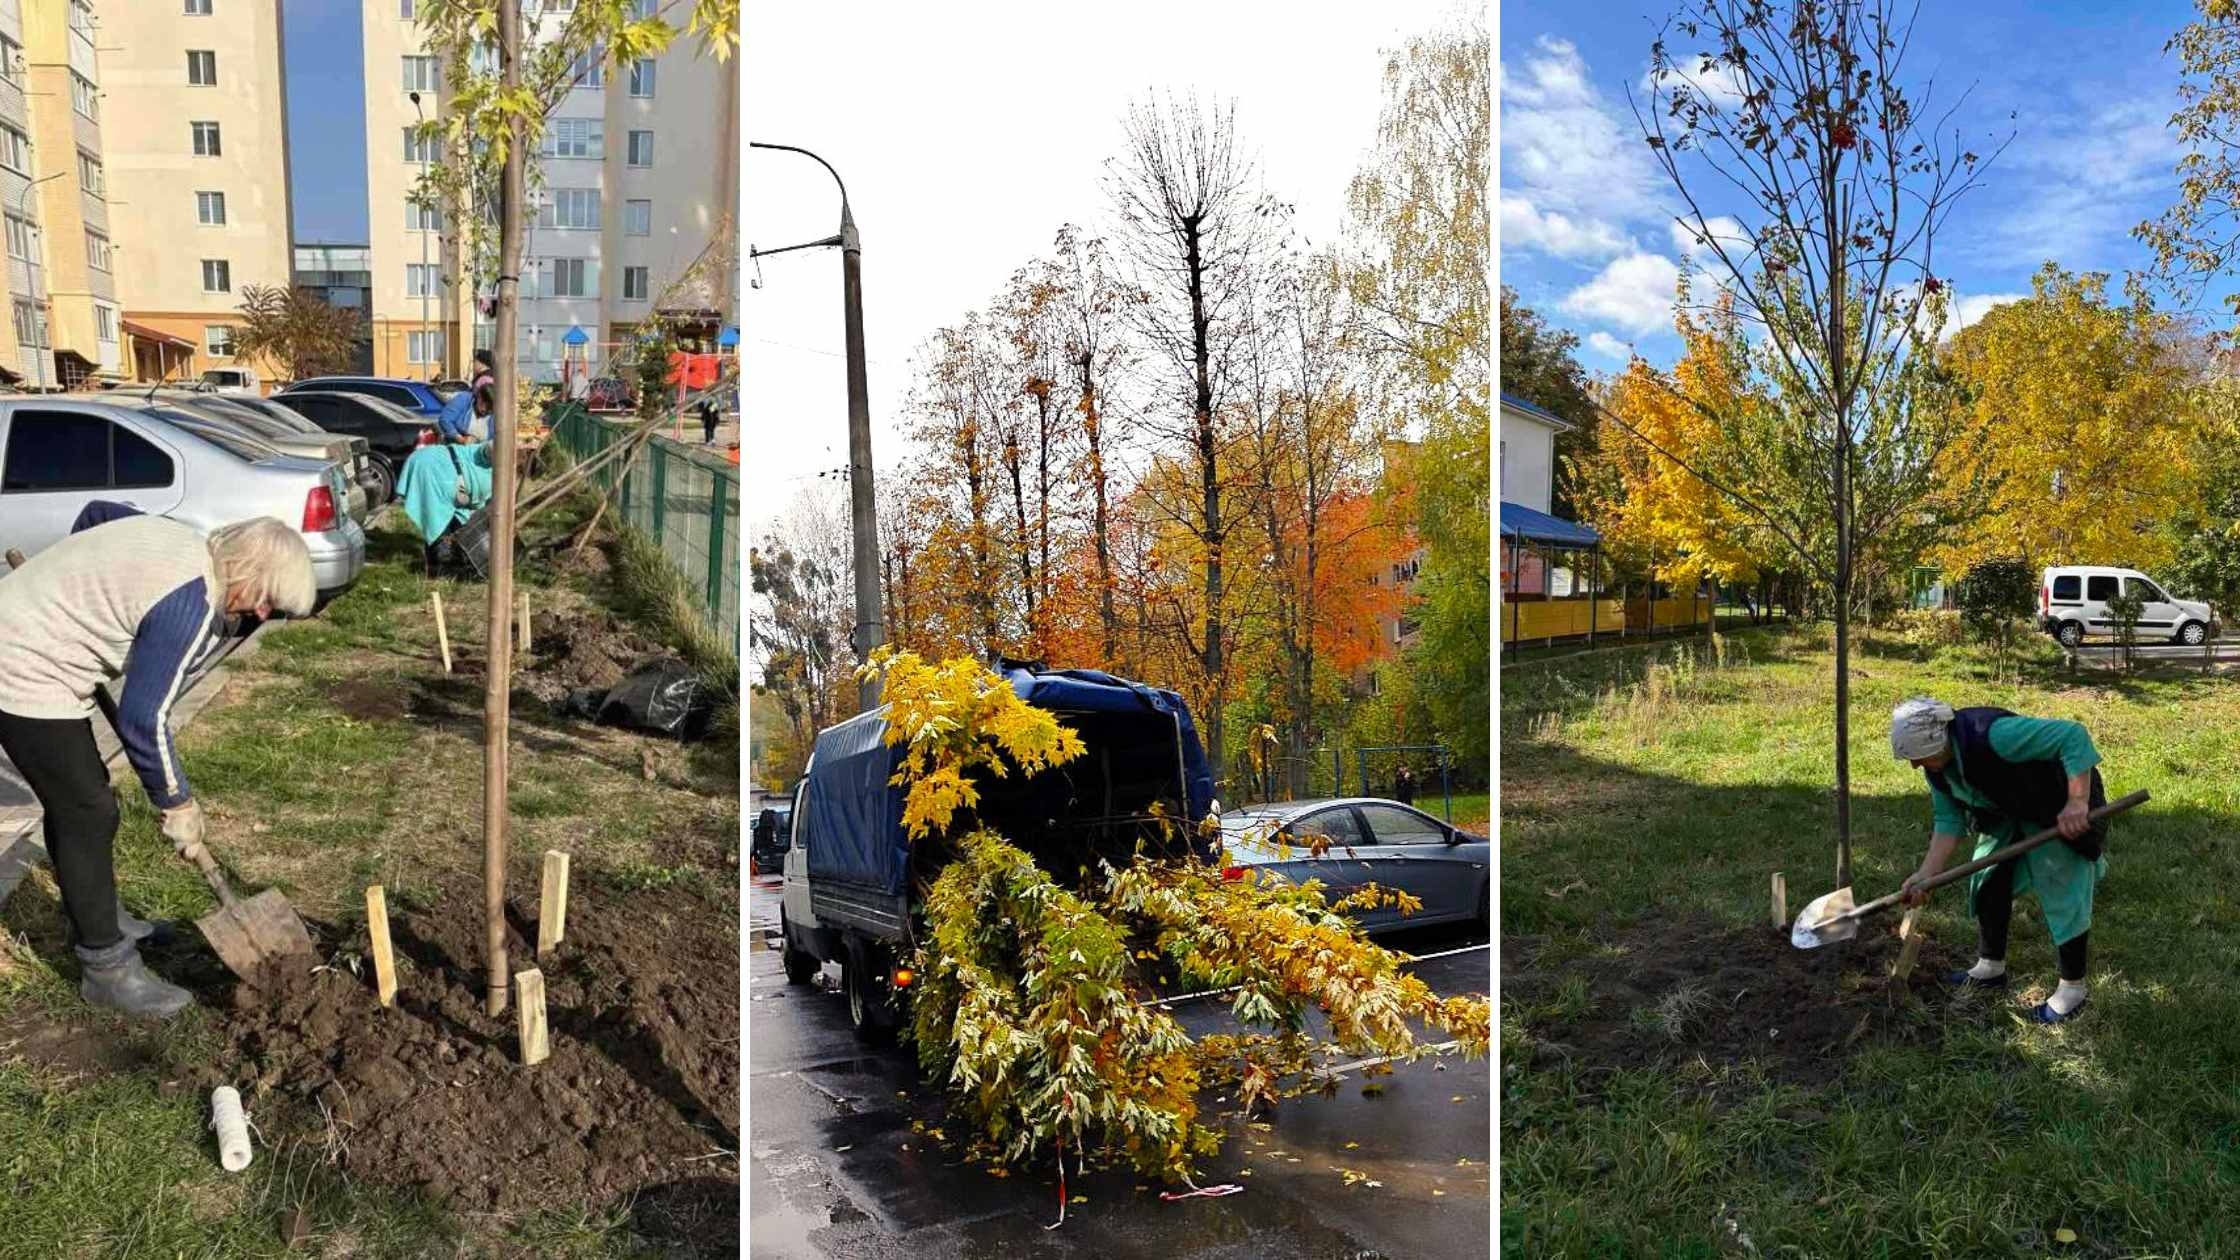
x=2146, y=590
x=2100, y=586
x=2067, y=586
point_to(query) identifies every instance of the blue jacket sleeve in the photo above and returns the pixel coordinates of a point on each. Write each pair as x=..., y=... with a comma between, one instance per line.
x=169, y=638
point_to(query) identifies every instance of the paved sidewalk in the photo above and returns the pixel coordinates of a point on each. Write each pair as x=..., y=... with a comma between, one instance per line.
x=20, y=846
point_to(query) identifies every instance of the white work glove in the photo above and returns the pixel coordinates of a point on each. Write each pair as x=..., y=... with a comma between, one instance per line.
x=183, y=826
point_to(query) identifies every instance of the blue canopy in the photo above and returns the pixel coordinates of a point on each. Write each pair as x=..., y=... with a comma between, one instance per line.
x=855, y=814
x=1522, y=523
x=575, y=336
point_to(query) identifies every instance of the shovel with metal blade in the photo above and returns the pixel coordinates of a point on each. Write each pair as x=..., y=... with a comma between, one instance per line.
x=1835, y=918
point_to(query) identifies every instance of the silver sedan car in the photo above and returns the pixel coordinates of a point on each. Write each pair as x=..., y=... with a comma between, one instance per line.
x=59, y=454
x=1351, y=841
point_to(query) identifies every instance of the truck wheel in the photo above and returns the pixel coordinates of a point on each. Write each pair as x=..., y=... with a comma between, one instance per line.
x=801, y=965
x=2071, y=634
x=870, y=1007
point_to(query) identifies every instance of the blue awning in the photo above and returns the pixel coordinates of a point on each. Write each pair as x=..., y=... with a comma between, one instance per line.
x=1521, y=522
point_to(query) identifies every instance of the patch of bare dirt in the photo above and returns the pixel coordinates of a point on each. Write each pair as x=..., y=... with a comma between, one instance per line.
x=1692, y=988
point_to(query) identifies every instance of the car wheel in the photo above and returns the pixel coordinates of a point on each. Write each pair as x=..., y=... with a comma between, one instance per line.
x=870, y=1009
x=384, y=483
x=801, y=965
x=2192, y=634
x=2071, y=634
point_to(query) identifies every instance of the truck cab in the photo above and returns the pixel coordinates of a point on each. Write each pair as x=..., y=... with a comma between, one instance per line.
x=854, y=883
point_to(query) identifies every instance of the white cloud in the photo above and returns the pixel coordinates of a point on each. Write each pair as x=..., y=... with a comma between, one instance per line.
x=1724, y=229
x=1527, y=229
x=1969, y=309
x=1721, y=85
x=1633, y=293
x=2084, y=174
x=1564, y=148
x=1610, y=347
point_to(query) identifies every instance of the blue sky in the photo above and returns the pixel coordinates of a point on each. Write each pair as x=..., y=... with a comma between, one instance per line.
x=326, y=121
x=1586, y=219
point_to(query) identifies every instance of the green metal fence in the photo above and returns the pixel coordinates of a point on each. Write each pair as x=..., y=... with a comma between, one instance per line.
x=684, y=498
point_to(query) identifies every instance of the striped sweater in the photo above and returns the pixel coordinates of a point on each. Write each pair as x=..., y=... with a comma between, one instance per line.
x=136, y=597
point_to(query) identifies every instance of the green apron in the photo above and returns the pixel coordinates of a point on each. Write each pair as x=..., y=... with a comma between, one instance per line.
x=2062, y=880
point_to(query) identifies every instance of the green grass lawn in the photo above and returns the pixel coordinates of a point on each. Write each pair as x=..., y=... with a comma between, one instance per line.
x=315, y=787
x=1643, y=787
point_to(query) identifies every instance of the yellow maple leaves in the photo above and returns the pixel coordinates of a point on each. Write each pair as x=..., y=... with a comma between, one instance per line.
x=957, y=718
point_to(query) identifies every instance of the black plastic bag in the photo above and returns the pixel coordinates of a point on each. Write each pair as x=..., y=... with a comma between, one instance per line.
x=661, y=697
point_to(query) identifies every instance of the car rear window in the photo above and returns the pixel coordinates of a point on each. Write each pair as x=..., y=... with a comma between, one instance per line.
x=2067, y=587
x=138, y=464
x=238, y=445
x=2100, y=586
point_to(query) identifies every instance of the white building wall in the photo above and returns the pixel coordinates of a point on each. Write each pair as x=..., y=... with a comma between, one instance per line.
x=1528, y=460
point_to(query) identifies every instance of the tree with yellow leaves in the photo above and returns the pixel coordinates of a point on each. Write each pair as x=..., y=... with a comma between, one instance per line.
x=2086, y=404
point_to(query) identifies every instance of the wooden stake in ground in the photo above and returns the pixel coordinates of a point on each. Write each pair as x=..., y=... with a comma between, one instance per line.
x=443, y=635
x=552, y=909
x=524, y=621
x=384, y=957
x=1780, y=900
x=1910, y=931
x=536, y=1043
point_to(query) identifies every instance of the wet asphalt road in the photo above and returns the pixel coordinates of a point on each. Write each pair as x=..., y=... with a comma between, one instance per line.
x=837, y=1171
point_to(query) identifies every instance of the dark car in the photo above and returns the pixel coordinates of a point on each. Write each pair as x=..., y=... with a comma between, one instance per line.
x=391, y=432
x=416, y=396
x=1352, y=841
x=772, y=836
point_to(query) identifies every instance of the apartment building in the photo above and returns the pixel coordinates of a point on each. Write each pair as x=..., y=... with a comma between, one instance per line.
x=22, y=334
x=638, y=175
x=69, y=243
x=196, y=139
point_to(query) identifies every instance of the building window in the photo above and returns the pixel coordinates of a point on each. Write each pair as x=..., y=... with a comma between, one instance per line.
x=23, y=239
x=15, y=150
x=643, y=9
x=404, y=9
x=590, y=70
x=198, y=8
x=424, y=346
x=419, y=74
x=31, y=324
x=637, y=282
x=90, y=176
x=202, y=67
x=217, y=276
x=637, y=218
x=11, y=61
x=422, y=218
x=641, y=148
x=567, y=278
x=641, y=77
x=210, y=208
x=559, y=6
x=421, y=279
x=83, y=98
x=419, y=147
x=105, y=323
x=217, y=340
x=570, y=208
x=97, y=250
x=205, y=139
x=574, y=138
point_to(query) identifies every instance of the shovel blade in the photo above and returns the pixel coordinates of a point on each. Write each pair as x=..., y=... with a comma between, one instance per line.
x=255, y=932
x=1822, y=922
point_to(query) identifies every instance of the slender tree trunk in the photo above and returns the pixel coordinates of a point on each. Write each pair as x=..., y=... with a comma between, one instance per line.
x=1012, y=458
x=1209, y=478
x=1107, y=614
x=1042, y=514
x=498, y=680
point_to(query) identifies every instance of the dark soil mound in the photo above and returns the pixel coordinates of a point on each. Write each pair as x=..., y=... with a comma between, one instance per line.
x=640, y=1099
x=1694, y=989
x=591, y=650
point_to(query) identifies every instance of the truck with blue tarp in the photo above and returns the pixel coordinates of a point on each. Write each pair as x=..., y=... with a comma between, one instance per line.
x=854, y=880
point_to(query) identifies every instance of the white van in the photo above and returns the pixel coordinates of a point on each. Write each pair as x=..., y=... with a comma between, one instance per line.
x=2073, y=602
x=232, y=380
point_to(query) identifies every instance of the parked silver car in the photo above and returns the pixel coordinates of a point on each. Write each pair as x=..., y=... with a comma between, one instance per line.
x=58, y=454
x=1352, y=841
x=325, y=447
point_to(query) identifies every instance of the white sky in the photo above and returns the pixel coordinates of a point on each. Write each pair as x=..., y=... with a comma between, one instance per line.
x=967, y=134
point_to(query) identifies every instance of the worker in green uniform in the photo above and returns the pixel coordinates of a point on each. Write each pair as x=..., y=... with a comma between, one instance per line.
x=2001, y=777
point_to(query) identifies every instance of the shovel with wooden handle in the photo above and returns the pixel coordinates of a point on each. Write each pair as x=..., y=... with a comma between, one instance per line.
x=1834, y=918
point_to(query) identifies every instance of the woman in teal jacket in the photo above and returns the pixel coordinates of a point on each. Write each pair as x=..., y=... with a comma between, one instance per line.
x=2001, y=777
x=445, y=484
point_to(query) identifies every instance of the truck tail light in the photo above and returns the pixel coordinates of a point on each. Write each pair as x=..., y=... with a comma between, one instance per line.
x=1232, y=872
x=903, y=977
x=2045, y=600
x=427, y=438
x=318, y=510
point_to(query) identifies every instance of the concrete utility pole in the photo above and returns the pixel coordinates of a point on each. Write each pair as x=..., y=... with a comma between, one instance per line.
x=498, y=684
x=863, y=504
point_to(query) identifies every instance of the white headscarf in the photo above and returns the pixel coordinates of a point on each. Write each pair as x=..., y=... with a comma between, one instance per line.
x=1917, y=728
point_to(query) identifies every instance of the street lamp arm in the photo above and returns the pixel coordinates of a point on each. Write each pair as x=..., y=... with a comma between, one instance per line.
x=826, y=243
x=787, y=148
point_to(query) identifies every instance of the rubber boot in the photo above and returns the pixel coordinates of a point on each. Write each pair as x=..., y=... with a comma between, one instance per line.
x=115, y=977
x=158, y=933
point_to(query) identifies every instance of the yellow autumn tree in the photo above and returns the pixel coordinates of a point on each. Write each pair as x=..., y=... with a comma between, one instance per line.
x=2088, y=412
x=1655, y=515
